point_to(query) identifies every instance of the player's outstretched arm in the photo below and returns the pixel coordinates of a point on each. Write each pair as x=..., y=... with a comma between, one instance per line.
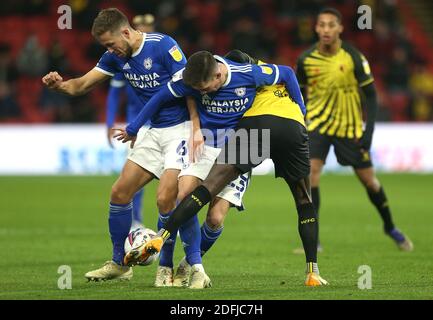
x=268, y=75
x=146, y=113
x=288, y=77
x=76, y=86
x=149, y=110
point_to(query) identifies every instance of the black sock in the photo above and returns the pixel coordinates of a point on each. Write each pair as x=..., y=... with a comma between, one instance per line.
x=188, y=207
x=308, y=230
x=381, y=203
x=315, y=194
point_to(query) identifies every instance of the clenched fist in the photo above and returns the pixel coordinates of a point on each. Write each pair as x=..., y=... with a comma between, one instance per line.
x=52, y=80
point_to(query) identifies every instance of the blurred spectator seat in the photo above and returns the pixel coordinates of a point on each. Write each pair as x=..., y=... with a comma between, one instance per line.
x=398, y=104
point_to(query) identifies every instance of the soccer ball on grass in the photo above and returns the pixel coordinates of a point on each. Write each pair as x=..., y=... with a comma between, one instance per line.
x=137, y=237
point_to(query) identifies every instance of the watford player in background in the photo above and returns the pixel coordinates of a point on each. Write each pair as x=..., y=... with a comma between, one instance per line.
x=332, y=74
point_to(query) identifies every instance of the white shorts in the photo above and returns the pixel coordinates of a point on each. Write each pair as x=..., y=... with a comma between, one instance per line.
x=159, y=149
x=141, y=132
x=233, y=192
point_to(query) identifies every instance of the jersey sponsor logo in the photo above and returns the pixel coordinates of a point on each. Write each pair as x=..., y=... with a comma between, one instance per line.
x=175, y=53
x=143, y=81
x=126, y=66
x=224, y=103
x=365, y=65
x=240, y=92
x=220, y=110
x=148, y=63
x=266, y=70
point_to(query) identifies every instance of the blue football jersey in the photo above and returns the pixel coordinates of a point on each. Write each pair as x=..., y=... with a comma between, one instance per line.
x=153, y=65
x=222, y=110
x=133, y=103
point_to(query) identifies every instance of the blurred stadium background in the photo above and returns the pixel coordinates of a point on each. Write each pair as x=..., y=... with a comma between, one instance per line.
x=45, y=133
x=399, y=48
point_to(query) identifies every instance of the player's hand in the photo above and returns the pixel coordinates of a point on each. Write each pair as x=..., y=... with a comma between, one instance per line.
x=195, y=146
x=110, y=134
x=123, y=136
x=52, y=80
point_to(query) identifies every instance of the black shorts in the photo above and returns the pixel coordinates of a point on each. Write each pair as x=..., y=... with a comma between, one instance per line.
x=285, y=142
x=347, y=151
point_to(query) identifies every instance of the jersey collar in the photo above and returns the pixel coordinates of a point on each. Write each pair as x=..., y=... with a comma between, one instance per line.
x=330, y=55
x=229, y=73
x=136, y=53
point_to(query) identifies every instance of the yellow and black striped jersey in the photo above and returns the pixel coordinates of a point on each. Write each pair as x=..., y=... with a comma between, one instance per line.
x=332, y=88
x=275, y=100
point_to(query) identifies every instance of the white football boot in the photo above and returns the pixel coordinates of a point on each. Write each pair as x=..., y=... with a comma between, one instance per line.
x=110, y=271
x=164, y=277
x=183, y=273
x=199, y=279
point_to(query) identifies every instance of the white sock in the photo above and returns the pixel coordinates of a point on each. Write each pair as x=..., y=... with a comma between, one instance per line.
x=199, y=266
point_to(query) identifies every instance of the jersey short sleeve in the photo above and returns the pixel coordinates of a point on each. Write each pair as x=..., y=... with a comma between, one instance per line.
x=362, y=68
x=107, y=64
x=118, y=81
x=178, y=88
x=173, y=57
x=265, y=74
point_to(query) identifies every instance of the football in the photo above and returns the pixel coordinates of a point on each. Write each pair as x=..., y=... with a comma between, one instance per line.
x=137, y=237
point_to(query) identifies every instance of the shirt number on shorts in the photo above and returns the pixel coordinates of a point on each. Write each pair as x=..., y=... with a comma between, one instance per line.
x=243, y=182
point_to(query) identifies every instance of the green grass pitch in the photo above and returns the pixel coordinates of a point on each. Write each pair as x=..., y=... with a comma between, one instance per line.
x=47, y=222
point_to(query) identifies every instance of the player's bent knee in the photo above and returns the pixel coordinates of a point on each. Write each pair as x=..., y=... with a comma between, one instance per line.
x=119, y=195
x=215, y=218
x=372, y=185
x=215, y=221
x=165, y=202
x=182, y=195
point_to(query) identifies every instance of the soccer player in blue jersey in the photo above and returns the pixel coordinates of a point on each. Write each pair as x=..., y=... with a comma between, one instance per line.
x=224, y=91
x=148, y=61
x=231, y=195
x=118, y=85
